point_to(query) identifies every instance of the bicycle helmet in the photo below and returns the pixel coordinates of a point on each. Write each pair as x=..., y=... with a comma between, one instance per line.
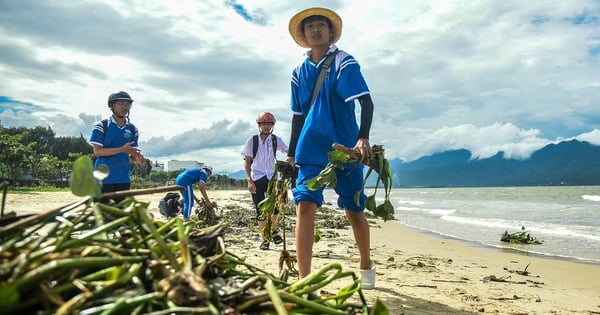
x=208, y=168
x=265, y=117
x=118, y=96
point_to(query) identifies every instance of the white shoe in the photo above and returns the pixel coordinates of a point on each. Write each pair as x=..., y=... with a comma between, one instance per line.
x=367, y=277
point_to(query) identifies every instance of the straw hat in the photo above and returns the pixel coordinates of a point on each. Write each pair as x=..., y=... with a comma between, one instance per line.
x=296, y=24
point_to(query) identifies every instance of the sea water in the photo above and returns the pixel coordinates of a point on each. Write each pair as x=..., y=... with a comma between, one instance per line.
x=565, y=218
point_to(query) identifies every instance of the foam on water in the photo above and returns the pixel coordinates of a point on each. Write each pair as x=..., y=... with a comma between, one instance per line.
x=565, y=218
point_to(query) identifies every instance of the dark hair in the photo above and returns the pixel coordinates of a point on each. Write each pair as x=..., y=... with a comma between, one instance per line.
x=313, y=18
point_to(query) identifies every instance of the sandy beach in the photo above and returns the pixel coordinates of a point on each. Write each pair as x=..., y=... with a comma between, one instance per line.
x=417, y=273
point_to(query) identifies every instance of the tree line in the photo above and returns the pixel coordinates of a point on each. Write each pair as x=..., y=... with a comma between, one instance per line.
x=37, y=157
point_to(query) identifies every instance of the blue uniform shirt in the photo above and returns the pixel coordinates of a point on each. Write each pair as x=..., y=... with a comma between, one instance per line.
x=191, y=176
x=115, y=136
x=331, y=119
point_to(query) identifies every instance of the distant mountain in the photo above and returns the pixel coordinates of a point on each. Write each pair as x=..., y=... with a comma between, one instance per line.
x=238, y=175
x=566, y=163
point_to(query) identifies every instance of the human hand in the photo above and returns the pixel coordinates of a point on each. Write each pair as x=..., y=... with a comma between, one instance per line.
x=251, y=187
x=139, y=158
x=130, y=149
x=291, y=161
x=363, y=146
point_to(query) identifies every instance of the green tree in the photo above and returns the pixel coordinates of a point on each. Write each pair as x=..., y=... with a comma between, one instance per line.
x=63, y=146
x=13, y=155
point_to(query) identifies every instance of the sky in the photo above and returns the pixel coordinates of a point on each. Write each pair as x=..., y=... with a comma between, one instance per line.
x=486, y=76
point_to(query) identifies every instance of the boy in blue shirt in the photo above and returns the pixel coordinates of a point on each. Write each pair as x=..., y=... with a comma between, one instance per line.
x=114, y=140
x=329, y=119
x=187, y=179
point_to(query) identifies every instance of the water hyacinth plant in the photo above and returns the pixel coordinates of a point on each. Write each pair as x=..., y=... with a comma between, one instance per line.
x=339, y=158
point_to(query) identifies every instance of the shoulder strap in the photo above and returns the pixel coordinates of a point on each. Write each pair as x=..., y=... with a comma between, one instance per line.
x=321, y=77
x=254, y=146
x=104, y=128
x=274, y=139
x=132, y=128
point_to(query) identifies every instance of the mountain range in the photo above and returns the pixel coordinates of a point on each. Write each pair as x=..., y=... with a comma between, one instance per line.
x=566, y=163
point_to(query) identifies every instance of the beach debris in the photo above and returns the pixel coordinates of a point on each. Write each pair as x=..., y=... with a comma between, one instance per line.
x=523, y=272
x=96, y=258
x=276, y=197
x=493, y=278
x=8, y=217
x=341, y=155
x=521, y=237
x=207, y=216
x=513, y=298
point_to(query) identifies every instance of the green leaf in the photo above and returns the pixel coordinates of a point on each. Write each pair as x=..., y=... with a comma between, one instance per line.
x=332, y=179
x=10, y=296
x=317, y=236
x=82, y=180
x=370, y=203
x=379, y=309
x=336, y=157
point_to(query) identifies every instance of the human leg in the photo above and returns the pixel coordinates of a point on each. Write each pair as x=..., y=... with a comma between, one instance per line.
x=261, y=189
x=305, y=233
x=346, y=189
x=362, y=237
x=187, y=195
x=109, y=188
x=307, y=202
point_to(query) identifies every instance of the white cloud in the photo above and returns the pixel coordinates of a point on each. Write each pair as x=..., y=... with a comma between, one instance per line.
x=487, y=76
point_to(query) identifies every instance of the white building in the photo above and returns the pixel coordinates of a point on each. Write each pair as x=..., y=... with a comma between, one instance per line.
x=158, y=167
x=174, y=165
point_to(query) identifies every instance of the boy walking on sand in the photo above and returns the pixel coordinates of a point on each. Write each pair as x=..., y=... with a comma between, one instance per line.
x=329, y=119
x=259, y=164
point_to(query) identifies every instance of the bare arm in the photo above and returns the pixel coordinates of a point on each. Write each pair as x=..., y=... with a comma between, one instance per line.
x=248, y=169
x=202, y=188
x=127, y=148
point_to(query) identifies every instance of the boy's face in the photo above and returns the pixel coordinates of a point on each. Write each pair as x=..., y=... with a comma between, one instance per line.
x=317, y=31
x=121, y=108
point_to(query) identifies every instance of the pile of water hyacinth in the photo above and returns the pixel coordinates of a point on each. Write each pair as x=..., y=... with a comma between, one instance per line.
x=97, y=258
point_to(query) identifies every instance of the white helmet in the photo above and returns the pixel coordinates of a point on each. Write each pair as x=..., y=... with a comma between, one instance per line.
x=208, y=168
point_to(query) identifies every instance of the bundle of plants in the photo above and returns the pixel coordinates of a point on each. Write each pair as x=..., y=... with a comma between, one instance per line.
x=94, y=258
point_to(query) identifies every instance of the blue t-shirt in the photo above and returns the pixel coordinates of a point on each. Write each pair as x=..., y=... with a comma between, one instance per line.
x=331, y=119
x=114, y=137
x=191, y=176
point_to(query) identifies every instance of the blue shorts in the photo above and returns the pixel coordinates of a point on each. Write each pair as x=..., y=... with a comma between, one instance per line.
x=349, y=183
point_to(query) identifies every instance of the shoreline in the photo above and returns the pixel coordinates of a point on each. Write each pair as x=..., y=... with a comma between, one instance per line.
x=479, y=244
x=417, y=272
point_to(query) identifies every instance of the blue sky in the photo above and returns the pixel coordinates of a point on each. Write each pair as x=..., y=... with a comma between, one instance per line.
x=486, y=76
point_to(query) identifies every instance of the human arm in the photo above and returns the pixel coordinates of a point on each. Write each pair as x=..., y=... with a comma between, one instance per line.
x=366, y=118
x=127, y=148
x=297, y=124
x=202, y=188
x=248, y=169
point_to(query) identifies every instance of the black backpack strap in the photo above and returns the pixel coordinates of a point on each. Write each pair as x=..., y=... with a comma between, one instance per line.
x=105, y=128
x=274, y=138
x=132, y=127
x=254, y=146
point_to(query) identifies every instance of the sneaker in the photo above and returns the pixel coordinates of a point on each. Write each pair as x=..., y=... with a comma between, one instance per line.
x=277, y=238
x=264, y=245
x=367, y=277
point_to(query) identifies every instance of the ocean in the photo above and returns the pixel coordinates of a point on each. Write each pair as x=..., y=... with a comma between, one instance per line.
x=565, y=218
